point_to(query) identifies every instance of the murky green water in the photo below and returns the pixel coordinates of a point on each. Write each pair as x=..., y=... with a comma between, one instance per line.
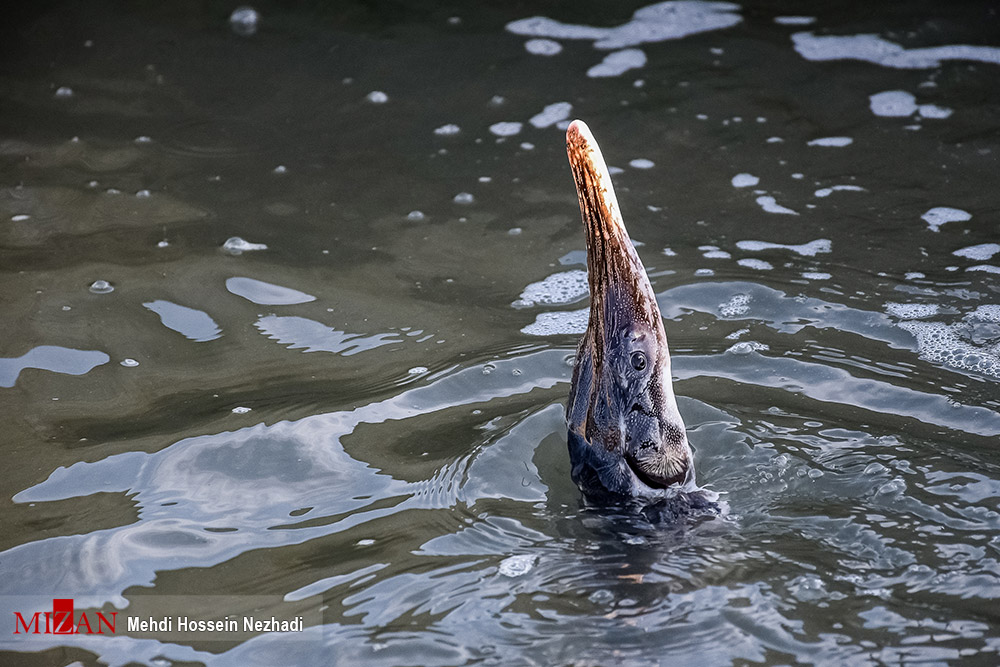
x=361, y=411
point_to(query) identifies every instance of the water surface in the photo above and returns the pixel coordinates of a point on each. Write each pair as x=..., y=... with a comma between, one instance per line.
x=290, y=310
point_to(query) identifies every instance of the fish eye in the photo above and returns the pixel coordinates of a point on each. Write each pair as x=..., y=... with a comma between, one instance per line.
x=638, y=360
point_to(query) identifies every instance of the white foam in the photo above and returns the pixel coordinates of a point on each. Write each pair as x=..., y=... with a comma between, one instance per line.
x=987, y=268
x=551, y=114
x=794, y=20
x=933, y=111
x=810, y=249
x=874, y=49
x=377, y=97
x=988, y=312
x=757, y=264
x=563, y=287
x=940, y=215
x=769, y=205
x=832, y=142
x=464, y=198
x=543, y=47
x=941, y=343
x=505, y=129
x=816, y=275
x=641, y=163
x=447, y=130
x=655, y=23
x=558, y=323
x=746, y=347
x=617, y=63
x=244, y=21
x=737, y=306
x=826, y=192
x=912, y=311
x=893, y=104
x=745, y=180
x=980, y=252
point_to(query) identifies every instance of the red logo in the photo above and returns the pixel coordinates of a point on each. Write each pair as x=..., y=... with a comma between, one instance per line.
x=63, y=621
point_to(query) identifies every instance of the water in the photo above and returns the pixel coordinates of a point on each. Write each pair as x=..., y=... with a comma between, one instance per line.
x=331, y=367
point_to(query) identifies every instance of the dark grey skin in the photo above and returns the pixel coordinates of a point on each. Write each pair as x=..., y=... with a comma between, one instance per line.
x=627, y=441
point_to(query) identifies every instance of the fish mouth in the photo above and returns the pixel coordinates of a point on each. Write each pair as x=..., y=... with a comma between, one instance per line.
x=655, y=482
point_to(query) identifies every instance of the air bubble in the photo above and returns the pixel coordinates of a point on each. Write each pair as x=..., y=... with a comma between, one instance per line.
x=515, y=566
x=601, y=596
x=101, y=287
x=237, y=246
x=129, y=363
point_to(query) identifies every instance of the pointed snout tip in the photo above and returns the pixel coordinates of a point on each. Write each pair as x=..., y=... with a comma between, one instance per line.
x=578, y=133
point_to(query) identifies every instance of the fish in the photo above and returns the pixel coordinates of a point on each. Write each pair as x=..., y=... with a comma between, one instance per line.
x=626, y=437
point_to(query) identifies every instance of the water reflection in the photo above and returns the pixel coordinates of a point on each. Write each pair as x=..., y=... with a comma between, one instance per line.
x=51, y=358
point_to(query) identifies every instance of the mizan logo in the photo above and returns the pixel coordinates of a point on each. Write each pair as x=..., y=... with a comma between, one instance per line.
x=63, y=621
